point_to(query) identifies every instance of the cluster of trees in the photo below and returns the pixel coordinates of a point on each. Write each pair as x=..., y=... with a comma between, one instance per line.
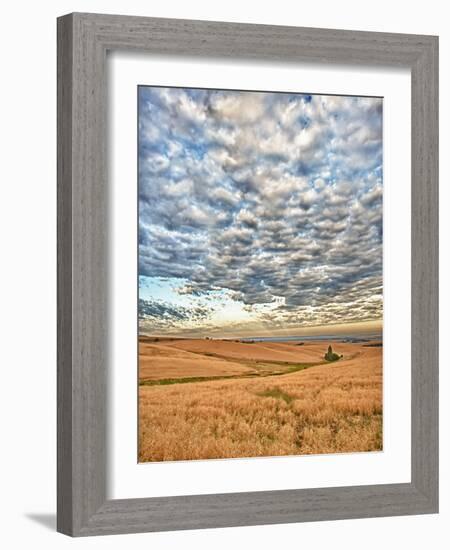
x=331, y=356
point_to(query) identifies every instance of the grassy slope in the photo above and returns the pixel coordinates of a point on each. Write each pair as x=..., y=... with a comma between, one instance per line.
x=275, y=411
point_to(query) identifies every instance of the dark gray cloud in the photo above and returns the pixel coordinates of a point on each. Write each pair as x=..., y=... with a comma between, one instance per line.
x=163, y=315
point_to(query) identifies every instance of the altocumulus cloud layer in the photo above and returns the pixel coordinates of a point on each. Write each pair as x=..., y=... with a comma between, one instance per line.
x=258, y=212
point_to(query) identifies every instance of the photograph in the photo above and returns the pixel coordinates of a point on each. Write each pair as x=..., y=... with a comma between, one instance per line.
x=260, y=273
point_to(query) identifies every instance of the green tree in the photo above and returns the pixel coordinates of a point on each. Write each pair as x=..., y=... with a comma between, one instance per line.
x=330, y=355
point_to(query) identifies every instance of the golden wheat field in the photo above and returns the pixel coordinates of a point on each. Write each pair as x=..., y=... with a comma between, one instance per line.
x=203, y=399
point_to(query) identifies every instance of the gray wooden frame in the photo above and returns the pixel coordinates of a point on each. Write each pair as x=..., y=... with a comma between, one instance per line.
x=83, y=40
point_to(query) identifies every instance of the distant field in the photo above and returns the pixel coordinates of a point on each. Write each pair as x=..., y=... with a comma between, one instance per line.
x=221, y=399
x=169, y=360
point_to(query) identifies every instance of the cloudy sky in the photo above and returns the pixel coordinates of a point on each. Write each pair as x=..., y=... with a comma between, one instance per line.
x=260, y=214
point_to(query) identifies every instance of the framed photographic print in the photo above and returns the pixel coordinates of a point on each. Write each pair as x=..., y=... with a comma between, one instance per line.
x=247, y=274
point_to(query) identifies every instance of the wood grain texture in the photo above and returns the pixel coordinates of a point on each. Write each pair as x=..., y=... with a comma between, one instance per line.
x=64, y=329
x=83, y=41
x=425, y=272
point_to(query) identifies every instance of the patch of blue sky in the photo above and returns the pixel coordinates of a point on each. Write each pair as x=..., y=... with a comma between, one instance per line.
x=170, y=290
x=160, y=288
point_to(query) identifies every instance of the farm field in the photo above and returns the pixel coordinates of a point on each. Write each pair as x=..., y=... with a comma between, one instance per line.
x=202, y=398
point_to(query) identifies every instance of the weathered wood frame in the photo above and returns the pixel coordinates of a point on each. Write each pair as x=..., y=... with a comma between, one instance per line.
x=83, y=41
